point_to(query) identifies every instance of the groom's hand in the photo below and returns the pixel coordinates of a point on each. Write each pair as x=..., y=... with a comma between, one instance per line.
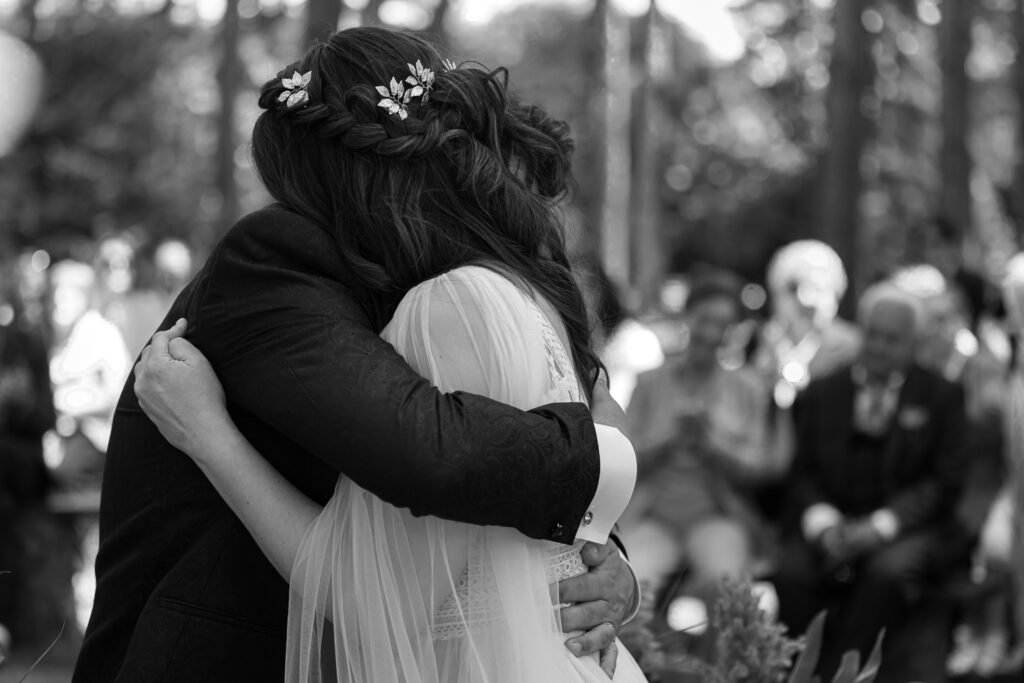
x=598, y=602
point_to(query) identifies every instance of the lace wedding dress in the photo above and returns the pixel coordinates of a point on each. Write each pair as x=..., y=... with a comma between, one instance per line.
x=381, y=596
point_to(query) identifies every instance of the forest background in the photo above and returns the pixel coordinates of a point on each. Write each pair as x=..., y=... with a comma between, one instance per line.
x=708, y=131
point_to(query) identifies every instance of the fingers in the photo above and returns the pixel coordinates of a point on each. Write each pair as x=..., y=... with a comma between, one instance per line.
x=594, y=554
x=594, y=640
x=589, y=615
x=182, y=349
x=582, y=589
x=161, y=340
x=609, y=658
x=602, y=579
x=140, y=368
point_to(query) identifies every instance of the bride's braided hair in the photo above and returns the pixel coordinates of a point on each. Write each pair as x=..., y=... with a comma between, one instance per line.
x=468, y=174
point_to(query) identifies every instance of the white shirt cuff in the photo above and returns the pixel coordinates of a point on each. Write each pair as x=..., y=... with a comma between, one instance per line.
x=817, y=518
x=614, y=485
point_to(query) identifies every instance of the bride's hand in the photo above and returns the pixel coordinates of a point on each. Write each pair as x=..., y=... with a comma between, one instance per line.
x=179, y=391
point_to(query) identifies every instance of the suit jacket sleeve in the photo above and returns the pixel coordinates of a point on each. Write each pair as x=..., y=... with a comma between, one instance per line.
x=937, y=493
x=293, y=348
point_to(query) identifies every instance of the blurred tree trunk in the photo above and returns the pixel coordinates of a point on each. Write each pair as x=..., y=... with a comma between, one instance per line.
x=321, y=20
x=588, y=159
x=371, y=13
x=615, y=107
x=228, y=76
x=1016, y=202
x=955, y=161
x=647, y=254
x=838, y=222
x=437, y=30
x=27, y=11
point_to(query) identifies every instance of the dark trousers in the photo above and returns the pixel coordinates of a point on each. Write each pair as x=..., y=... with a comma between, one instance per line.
x=873, y=594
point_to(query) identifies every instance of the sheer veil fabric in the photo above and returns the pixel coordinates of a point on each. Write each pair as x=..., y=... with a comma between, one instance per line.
x=379, y=595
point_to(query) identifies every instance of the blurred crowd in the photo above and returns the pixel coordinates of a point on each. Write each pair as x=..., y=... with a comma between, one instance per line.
x=69, y=331
x=868, y=467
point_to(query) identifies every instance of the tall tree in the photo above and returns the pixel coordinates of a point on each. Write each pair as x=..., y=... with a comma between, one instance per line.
x=615, y=113
x=371, y=13
x=1016, y=202
x=228, y=77
x=648, y=243
x=955, y=160
x=438, y=27
x=321, y=20
x=838, y=213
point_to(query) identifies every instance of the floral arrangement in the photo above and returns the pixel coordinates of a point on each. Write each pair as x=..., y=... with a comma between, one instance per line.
x=750, y=646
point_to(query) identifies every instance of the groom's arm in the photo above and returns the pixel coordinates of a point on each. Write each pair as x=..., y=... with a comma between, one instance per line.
x=293, y=348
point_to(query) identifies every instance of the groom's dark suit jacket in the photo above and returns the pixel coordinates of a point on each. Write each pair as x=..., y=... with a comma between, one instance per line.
x=922, y=452
x=183, y=593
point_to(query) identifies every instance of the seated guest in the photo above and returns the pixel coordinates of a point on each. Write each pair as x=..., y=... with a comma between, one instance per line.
x=26, y=413
x=699, y=432
x=804, y=338
x=950, y=348
x=875, y=482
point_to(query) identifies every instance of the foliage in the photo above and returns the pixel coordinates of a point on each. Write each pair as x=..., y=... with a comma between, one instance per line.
x=115, y=143
x=750, y=646
x=126, y=136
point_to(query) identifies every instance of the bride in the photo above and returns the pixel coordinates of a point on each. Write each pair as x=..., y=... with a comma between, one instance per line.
x=459, y=182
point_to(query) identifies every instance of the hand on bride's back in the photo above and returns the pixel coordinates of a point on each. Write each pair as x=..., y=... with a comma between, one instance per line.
x=179, y=391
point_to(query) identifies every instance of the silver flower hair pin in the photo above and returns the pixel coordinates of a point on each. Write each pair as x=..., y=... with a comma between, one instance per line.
x=396, y=97
x=295, y=89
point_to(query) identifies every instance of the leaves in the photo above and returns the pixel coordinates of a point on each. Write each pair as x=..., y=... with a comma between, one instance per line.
x=751, y=647
x=803, y=671
x=396, y=96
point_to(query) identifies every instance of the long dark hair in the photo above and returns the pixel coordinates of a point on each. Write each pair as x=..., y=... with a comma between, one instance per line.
x=470, y=175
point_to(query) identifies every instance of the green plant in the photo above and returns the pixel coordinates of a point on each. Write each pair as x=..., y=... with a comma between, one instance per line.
x=750, y=647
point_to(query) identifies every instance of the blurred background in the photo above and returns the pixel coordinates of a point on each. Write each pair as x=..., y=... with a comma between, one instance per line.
x=709, y=133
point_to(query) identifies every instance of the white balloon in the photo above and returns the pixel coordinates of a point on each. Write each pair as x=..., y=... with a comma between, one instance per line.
x=21, y=77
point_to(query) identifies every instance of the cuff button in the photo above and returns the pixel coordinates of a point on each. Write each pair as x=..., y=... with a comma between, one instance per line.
x=588, y=518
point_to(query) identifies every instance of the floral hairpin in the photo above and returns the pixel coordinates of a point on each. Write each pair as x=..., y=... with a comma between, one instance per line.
x=396, y=97
x=295, y=89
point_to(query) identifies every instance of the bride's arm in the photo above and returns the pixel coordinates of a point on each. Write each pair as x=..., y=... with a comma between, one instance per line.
x=180, y=392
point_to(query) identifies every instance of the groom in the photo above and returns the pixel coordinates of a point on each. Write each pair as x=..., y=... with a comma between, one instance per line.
x=184, y=593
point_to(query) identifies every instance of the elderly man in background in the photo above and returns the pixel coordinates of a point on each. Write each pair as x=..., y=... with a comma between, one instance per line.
x=876, y=477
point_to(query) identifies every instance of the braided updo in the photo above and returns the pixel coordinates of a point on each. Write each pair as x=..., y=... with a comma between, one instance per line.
x=467, y=173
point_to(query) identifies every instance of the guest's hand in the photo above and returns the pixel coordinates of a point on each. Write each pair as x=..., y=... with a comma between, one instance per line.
x=861, y=537
x=604, y=409
x=833, y=543
x=179, y=391
x=598, y=603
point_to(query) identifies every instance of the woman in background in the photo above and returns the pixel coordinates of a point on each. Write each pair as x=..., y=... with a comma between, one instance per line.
x=700, y=432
